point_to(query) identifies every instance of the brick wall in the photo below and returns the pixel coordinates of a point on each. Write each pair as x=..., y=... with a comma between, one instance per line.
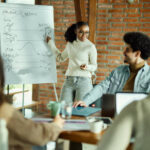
x=114, y=18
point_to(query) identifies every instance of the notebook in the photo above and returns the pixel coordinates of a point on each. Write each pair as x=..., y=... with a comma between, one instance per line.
x=84, y=111
x=123, y=99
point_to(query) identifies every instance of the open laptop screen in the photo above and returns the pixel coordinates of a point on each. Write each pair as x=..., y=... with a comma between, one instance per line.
x=123, y=99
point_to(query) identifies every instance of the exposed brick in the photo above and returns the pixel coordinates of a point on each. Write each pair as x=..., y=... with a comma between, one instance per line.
x=117, y=34
x=116, y=11
x=116, y=43
x=134, y=10
x=119, y=15
x=145, y=20
x=101, y=38
x=118, y=24
x=102, y=61
x=144, y=30
x=130, y=20
x=134, y=15
x=115, y=38
x=146, y=15
x=116, y=1
x=114, y=47
x=145, y=1
x=145, y=10
x=134, y=25
x=135, y=5
x=130, y=29
x=115, y=20
x=119, y=6
x=146, y=25
x=146, y=5
x=102, y=52
x=113, y=57
x=102, y=42
x=101, y=10
x=115, y=29
x=116, y=53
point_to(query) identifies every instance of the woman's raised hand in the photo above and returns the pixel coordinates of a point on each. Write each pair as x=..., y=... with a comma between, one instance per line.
x=48, y=38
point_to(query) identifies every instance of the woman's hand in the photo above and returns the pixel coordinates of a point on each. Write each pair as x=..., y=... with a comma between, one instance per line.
x=83, y=67
x=48, y=38
x=79, y=103
x=59, y=121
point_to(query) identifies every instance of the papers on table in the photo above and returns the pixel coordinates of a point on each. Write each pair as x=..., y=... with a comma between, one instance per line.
x=75, y=125
x=70, y=124
x=42, y=119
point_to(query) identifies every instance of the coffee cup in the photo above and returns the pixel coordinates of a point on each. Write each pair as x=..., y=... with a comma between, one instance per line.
x=96, y=126
x=54, y=107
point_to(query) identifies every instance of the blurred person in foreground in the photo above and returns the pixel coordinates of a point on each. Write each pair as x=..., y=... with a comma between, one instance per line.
x=24, y=133
x=132, y=122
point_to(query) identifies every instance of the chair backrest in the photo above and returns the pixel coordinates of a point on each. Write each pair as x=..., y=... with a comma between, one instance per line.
x=108, y=105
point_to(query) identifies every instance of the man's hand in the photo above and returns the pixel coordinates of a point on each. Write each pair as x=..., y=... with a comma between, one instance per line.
x=48, y=38
x=79, y=103
x=83, y=67
x=59, y=121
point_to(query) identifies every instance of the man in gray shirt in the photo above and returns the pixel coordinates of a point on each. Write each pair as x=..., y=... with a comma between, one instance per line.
x=134, y=77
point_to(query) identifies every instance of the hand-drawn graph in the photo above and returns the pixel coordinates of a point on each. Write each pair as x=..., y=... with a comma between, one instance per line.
x=23, y=30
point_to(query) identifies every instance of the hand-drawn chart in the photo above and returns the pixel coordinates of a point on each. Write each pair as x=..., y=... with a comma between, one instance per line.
x=27, y=59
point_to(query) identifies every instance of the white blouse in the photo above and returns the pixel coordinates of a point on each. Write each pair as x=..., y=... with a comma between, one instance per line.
x=79, y=53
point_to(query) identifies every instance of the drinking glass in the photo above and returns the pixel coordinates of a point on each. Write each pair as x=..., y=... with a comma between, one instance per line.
x=66, y=109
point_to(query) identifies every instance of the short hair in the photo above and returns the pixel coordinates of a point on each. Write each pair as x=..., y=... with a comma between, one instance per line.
x=70, y=34
x=138, y=41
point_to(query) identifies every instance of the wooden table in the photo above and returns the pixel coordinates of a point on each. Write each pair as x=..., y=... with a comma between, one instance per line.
x=76, y=138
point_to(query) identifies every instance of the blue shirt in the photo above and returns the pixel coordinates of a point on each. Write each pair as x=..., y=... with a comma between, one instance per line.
x=116, y=81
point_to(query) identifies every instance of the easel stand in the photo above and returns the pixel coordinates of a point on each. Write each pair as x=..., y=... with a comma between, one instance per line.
x=23, y=91
x=55, y=92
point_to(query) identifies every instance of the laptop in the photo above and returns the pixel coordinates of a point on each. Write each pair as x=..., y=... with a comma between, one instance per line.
x=123, y=99
x=112, y=104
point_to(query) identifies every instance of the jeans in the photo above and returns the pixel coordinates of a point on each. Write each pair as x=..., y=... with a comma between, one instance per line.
x=75, y=87
x=39, y=147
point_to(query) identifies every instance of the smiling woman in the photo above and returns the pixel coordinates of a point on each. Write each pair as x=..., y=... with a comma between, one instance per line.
x=82, y=56
x=83, y=33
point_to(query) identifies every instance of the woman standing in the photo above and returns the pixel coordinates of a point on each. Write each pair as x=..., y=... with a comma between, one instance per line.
x=82, y=56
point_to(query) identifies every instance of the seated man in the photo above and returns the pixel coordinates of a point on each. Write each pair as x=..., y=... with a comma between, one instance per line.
x=133, y=77
x=134, y=122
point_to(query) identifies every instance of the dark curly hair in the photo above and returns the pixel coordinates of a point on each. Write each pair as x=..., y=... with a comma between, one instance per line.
x=70, y=34
x=138, y=41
